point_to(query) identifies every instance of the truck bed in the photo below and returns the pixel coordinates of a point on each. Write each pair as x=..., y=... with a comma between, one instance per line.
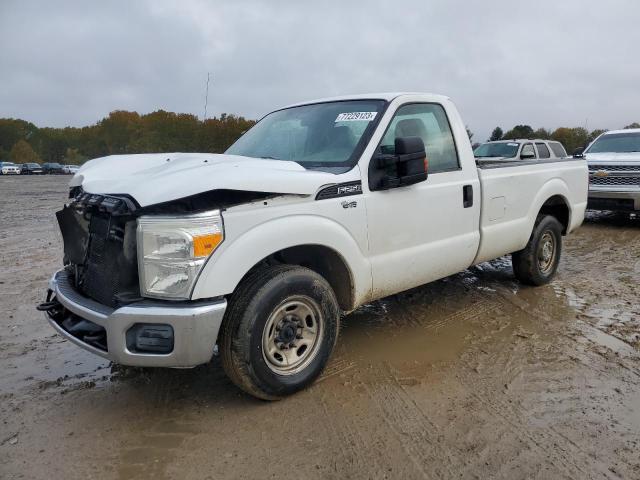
x=512, y=194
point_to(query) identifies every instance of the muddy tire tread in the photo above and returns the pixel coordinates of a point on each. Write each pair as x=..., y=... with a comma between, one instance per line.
x=524, y=261
x=235, y=336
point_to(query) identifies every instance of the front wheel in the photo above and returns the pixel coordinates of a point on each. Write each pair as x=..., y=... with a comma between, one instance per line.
x=279, y=331
x=537, y=263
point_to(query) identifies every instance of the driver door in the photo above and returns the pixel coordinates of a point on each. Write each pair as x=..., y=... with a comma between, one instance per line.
x=426, y=231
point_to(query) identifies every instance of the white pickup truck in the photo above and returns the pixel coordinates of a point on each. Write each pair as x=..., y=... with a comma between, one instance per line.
x=614, y=170
x=319, y=208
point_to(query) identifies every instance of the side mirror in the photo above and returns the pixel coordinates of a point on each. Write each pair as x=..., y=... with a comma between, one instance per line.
x=578, y=152
x=407, y=166
x=527, y=155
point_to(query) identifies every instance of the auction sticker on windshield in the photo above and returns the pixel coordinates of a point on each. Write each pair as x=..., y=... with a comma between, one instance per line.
x=356, y=116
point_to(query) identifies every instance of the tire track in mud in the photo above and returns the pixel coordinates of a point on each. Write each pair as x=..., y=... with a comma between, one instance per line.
x=564, y=454
x=468, y=313
x=155, y=445
x=590, y=332
x=359, y=456
x=336, y=366
x=419, y=437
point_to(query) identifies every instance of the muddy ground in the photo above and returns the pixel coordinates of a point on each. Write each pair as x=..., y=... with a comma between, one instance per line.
x=474, y=376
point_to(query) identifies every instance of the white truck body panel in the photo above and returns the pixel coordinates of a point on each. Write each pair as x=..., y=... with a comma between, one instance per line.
x=404, y=237
x=512, y=197
x=257, y=230
x=421, y=233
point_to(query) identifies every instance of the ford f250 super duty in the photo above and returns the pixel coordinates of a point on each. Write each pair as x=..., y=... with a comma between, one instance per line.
x=319, y=208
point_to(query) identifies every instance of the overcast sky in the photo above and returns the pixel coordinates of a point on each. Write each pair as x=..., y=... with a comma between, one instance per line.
x=544, y=63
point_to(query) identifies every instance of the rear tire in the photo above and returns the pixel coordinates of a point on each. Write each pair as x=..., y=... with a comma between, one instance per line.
x=537, y=263
x=279, y=331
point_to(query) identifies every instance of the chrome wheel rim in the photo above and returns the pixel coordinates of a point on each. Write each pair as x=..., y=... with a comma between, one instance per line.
x=292, y=335
x=546, y=252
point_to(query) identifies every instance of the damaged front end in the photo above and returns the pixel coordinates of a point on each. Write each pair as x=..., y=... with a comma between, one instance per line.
x=99, y=234
x=97, y=300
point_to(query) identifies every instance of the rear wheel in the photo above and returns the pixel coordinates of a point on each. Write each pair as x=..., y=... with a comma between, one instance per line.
x=279, y=331
x=537, y=263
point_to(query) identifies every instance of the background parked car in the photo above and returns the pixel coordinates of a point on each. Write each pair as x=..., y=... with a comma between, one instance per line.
x=8, y=168
x=31, y=169
x=70, y=169
x=52, y=168
x=519, y=149
x=614, y=170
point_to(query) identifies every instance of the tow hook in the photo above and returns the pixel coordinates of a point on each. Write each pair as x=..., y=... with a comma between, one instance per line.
x=53, y=308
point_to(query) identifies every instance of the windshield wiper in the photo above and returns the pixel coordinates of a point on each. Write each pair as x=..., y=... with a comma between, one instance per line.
x=271, y=158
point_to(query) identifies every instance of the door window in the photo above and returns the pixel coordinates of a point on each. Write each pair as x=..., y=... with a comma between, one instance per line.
x=528, y=150
x=558, y=149
x=543, y=151
x=429, y=122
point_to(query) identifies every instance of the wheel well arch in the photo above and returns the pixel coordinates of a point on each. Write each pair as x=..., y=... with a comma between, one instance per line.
x=324, y=261
x=558, y=207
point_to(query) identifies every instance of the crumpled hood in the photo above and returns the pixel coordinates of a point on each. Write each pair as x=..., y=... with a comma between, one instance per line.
x=161, y=177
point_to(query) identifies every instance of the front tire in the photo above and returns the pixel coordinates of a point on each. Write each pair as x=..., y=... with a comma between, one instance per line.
x=537, y=263
x=279, y=331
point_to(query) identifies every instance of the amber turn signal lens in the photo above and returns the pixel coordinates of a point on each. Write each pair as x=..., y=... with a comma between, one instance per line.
x=203, y=245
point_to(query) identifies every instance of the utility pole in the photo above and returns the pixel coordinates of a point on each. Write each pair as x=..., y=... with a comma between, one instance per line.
x=206, y=98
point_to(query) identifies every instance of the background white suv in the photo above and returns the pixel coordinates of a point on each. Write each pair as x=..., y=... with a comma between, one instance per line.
x=8, y=168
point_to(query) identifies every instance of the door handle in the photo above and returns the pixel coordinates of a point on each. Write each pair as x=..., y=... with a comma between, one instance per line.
x=467, y=196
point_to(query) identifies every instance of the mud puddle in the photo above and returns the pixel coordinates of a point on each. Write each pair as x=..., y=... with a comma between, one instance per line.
x=473, y=376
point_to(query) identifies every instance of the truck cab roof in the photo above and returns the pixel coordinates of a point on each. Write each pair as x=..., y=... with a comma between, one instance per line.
x=387, y=96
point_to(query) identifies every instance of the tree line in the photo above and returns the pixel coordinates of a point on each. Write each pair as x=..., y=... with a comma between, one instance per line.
x=119, y=133
x=571, y=138
x=124, y=132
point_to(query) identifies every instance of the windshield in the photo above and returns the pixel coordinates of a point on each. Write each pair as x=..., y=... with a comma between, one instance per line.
x=617, y=143
x=507, y=150
x=322, y=134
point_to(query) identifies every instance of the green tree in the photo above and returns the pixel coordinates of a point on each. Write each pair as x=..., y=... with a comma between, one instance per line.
x=632, y=125
x=73, y=157
x=571, y=138
x=496, y=134
x=542, y=133
x=22, y=152
x=124, y=132
x=12, y=130
x=595, y=134
x=519, y=131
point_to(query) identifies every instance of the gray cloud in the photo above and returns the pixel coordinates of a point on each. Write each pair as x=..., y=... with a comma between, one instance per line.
x=547, y=63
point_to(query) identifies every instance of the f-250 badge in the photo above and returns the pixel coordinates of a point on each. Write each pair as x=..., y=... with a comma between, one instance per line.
x=349, y=204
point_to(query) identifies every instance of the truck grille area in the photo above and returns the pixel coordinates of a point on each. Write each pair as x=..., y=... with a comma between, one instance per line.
x=99, y=235
x=615, y=175
x=615, y=181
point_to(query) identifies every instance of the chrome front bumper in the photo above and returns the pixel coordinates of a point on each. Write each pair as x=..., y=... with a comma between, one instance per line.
x=195, y=326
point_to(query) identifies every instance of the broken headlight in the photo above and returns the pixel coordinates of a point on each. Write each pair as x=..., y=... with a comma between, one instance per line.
x=172, y=251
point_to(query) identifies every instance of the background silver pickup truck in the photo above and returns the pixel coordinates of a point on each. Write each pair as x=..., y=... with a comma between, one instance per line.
x=614, y=171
